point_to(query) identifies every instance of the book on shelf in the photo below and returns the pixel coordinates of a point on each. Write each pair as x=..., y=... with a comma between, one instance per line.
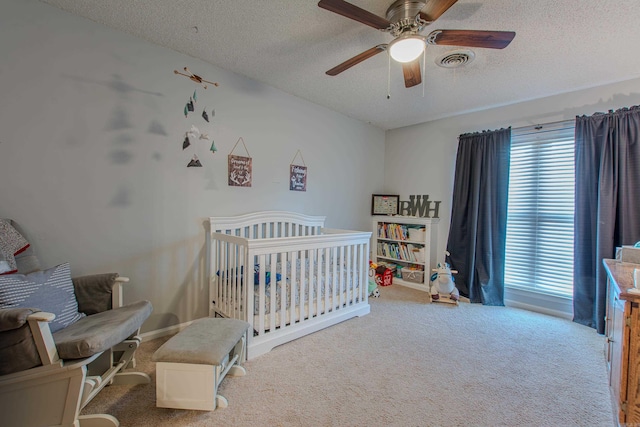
x=392, y=231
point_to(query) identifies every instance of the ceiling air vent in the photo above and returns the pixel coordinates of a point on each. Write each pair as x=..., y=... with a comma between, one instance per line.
x=455, y=58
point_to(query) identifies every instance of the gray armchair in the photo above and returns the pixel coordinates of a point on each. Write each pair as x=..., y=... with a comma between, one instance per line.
x=47, y=378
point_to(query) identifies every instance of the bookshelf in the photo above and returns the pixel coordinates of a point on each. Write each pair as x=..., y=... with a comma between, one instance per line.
x=409, y=243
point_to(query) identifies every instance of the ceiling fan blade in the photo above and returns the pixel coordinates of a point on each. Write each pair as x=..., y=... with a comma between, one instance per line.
x=411, y=71
x=471, y=38
x=348, y=10
x=435, y=8
x=357, y=59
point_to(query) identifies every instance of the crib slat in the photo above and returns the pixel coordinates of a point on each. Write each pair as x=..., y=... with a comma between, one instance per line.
x=261, y=294
x=284, y=271
x=294, y=288
x=318, y=283
x=273, y=290
x=352, y=279
x=341, y=279
x=303, y=286
x=224, y=275
x=361, y=295
x=231, y=278
x=336, y=282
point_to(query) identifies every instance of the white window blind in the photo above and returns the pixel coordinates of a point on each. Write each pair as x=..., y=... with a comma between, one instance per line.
x=539, y=251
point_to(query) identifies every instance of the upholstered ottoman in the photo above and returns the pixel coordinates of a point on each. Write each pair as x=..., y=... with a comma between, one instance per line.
x=193, y=363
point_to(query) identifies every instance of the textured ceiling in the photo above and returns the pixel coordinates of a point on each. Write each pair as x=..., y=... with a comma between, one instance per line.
x=560, y=46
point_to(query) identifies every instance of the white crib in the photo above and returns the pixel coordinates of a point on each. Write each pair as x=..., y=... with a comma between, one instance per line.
x=320, y=275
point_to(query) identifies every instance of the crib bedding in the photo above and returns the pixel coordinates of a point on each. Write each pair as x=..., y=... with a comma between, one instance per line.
x=306, y=276
x=334, y=302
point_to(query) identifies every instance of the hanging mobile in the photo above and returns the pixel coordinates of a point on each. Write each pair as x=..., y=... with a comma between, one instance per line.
x=194, y=77
x=195, y=162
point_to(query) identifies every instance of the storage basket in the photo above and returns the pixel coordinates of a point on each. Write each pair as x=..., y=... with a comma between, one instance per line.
x=415, y=276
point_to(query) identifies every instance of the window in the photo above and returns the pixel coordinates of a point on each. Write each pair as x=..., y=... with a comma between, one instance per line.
x=539, y=249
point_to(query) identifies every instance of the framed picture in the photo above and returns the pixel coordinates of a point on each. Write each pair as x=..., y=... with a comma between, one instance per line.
x=385, y=204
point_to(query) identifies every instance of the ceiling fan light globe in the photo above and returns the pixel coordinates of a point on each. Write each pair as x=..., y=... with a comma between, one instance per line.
x=406, y=49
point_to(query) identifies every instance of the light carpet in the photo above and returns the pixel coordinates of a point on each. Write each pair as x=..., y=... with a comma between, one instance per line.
x=407, y=363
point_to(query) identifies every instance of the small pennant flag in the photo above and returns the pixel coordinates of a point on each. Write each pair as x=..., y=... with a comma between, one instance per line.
x=213, y=148
x=186, y=142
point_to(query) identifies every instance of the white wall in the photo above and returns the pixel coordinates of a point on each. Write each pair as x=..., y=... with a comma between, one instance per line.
x=421, y=159
x=92, y=166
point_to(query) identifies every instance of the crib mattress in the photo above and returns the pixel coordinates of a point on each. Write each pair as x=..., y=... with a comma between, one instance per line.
x=345, y=297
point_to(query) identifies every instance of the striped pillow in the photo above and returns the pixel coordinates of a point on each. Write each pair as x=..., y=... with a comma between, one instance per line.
x=48, y=290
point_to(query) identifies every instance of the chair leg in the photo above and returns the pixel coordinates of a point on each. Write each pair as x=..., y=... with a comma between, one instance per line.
x=126, y=351
x=130, y=378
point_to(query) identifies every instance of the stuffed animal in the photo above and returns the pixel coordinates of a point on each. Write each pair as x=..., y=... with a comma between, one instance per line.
x=442, y=284
x=373, y=283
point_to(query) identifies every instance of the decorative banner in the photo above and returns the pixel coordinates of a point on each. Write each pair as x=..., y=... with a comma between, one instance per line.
x=298, y=178
x=240, y=168
x=239, y=171
x=298, y=175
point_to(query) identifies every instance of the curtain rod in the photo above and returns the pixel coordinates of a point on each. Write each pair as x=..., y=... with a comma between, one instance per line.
x=538, y=128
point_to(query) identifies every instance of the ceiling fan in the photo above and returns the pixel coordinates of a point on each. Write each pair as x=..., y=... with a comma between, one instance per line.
x=405, y=20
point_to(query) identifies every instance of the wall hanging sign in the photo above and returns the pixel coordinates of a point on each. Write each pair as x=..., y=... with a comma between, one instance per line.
x=240, y=168
x=298, y=174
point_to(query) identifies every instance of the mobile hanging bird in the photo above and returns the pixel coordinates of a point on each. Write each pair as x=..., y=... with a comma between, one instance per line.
x=194, y=77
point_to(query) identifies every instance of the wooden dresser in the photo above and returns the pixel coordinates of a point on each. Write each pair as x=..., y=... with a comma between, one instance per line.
x=622, y=343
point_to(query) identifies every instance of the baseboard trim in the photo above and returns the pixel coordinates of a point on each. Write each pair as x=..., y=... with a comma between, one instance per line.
x=169, y=330
x=532, y=301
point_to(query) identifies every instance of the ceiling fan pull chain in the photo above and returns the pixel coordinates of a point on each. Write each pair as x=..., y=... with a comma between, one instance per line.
x=389, y=78
x=424, y=69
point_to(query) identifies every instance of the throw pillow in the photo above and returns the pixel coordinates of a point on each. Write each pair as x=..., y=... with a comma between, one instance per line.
x=48, y=290
x=11, y=244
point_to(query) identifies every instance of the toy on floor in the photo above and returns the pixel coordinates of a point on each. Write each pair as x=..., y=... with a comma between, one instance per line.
x=373, y=284
x=443, y=288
